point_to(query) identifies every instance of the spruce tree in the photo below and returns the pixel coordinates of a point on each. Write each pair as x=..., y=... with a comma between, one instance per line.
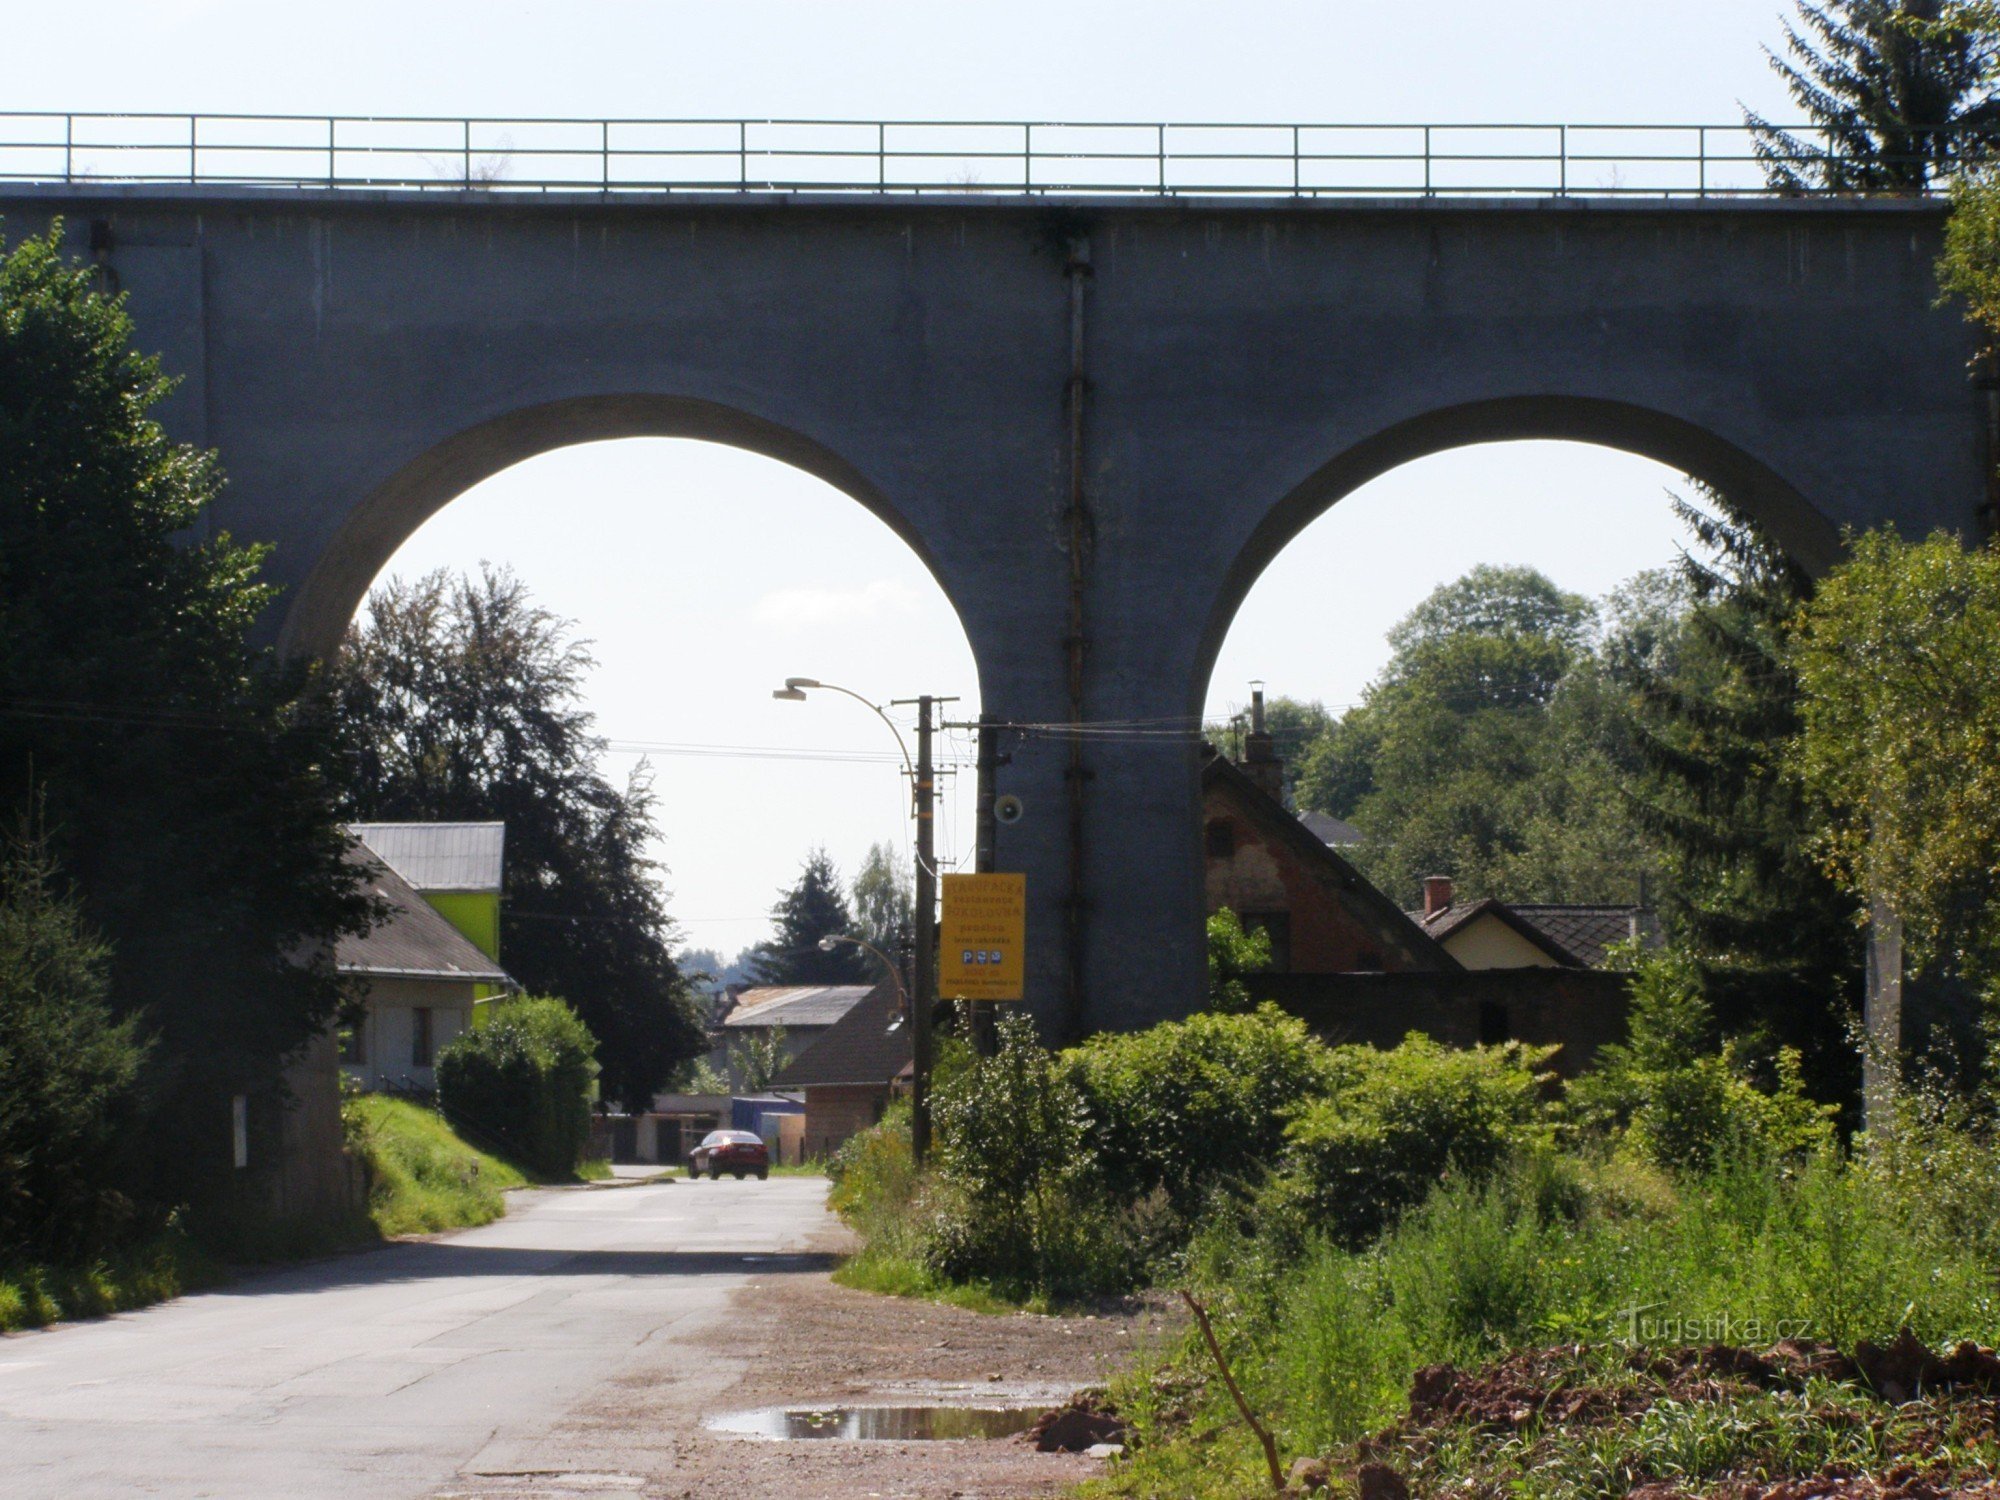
x=811, y=909
x=1897, y=102
x=1775, y=941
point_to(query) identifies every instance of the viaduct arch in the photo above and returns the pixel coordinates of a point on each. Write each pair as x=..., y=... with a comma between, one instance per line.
x=359, y=358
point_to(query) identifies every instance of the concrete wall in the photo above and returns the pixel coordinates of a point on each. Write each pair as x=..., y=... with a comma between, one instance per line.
x=1490, y=943
x=361, y=359
x=836, y=1111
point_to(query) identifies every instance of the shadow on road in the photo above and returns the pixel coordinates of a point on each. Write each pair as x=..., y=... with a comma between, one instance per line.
x=445, y=1260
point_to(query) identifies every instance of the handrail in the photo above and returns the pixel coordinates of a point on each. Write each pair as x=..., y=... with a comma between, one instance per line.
x=1149, y=158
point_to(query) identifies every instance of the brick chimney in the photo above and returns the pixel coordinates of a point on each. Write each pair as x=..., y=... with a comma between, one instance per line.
x=1437, y=894
x=1260, y=752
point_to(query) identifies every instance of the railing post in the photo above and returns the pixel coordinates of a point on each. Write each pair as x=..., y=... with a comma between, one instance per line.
x=332, y=154
x=465, y=142
x=1027, y=157
x=1701, y=158
x=1295, y=161
x=604, y=155
x=69, y=148
x=743, y=155
x=1562, y=152
x=1160, y=145
x=1428, y=190
x=881, y=153
x=194, y=151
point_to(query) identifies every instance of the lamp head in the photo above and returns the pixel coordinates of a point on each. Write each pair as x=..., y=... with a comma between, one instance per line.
x=788, y=695
x=792, y=684
x=828, y=944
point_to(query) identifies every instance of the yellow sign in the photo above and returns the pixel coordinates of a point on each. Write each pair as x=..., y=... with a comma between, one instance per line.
x=983, y=937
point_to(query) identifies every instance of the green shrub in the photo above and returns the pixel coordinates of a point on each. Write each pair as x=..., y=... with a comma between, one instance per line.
x=1188, y=1106
x=68, y=1070
x=1394, y=1123
x=521, y=1084
x=1017, y=1197
x=1677, y=1098
x=1232, y=954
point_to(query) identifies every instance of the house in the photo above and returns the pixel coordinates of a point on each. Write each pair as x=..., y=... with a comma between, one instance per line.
x=852, y=1070
x=456, y=867
x=1282, y=878
x=416, y=977
x=1490, y=934
x=800, y=1012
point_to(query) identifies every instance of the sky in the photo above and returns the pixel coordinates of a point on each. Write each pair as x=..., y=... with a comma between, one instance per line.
x=731, y=572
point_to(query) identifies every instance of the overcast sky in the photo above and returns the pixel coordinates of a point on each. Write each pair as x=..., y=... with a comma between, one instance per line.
x=706, y=575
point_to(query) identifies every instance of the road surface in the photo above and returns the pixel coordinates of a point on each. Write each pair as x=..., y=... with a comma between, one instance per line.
x=442, y=1367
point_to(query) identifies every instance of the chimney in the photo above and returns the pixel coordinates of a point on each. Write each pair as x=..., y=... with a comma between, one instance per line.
x=1437, y=894
x=1260, y=751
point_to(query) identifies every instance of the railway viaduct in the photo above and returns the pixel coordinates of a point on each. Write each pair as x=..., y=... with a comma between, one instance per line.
x=1096, y=419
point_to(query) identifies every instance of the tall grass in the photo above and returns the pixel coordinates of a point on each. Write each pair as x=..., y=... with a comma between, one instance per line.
x=34, y=1295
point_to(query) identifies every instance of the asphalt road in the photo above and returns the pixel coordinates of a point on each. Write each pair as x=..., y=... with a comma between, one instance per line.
x=418, y=1369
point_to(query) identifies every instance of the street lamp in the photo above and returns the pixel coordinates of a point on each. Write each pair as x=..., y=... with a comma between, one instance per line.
x=923, y=977
x=834, y=939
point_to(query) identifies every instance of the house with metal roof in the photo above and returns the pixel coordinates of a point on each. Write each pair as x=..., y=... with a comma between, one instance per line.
x=797, y=1013
x=852, y=1070
x=415, y=979
x=458, y=868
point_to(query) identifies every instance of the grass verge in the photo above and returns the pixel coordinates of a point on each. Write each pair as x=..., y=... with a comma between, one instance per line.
x=424, y=1178
x=32, y=1296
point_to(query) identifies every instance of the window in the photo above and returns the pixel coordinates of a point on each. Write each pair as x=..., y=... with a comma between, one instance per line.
x=1221, y=838
x=420, y=1037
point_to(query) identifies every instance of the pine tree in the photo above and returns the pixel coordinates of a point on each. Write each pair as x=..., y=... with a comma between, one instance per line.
x=1775, y=940
x=811, y=909
x=1897, y=102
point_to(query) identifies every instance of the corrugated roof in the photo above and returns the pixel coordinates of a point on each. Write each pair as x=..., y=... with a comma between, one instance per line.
x=440, y=856
x=867, y=1045
x=415, y=943
x=795, y=1005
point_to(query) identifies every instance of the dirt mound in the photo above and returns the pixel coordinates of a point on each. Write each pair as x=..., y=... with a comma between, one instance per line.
x=1078, y=1425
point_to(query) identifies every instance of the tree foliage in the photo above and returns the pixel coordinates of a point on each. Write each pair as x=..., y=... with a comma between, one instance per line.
x=885, y=899
x=1488, y=749
x=68, y=1070
x=184, y=775
x=1898, y=656
x=1233, y=955
x=812, y=908
x=459, y=698
x=1897, y=102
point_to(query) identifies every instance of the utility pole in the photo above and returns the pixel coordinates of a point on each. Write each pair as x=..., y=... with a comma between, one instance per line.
x=923, y=981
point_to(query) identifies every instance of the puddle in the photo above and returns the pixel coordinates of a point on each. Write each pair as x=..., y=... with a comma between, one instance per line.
x=893, y=1424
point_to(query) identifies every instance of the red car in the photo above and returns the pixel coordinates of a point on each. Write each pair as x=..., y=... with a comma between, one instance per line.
x=736, y=1152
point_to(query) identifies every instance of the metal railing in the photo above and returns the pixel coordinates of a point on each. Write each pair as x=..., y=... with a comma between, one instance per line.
x=905, y=157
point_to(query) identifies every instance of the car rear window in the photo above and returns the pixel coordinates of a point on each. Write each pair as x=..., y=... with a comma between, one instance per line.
x=732, y=1138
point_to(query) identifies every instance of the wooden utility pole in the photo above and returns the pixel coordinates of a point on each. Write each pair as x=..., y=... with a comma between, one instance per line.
x=923, y=979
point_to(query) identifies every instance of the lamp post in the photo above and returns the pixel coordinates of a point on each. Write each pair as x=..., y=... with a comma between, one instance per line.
x=923, y=969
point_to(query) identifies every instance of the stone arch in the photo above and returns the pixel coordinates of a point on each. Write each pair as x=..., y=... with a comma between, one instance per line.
x=326, y=600
x=1674, y=441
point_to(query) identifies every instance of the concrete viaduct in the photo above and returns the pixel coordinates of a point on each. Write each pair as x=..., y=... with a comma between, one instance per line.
x=1095, y=419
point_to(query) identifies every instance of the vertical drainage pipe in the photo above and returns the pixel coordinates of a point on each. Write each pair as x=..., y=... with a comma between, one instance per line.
x=1077, y=531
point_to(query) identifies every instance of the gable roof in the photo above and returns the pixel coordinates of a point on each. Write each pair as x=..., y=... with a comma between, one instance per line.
x=415, y=942
x=1441, y=925
x=440, y=856
x=870, y=1044
x=1588, y=931
x=795, y=1005
x=1389, y=919
x=1336, y=833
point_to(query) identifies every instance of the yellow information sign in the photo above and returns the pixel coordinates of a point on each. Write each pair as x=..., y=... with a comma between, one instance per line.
x=982, y=938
